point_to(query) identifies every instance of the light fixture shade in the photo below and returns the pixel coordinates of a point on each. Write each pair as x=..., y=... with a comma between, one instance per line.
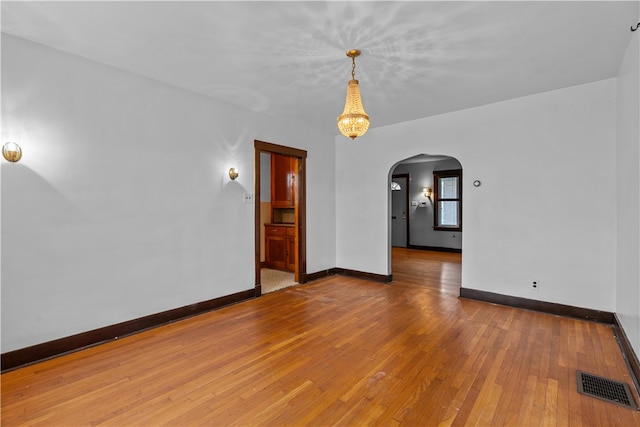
x=233, y=173
x=353, y=121
x=12, y=152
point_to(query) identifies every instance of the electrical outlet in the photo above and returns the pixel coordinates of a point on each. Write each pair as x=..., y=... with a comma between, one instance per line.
x=248, y=197
x=535, y=285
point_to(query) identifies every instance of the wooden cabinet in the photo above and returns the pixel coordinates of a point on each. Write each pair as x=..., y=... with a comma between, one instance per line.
x=283, y=181
x=280, y=247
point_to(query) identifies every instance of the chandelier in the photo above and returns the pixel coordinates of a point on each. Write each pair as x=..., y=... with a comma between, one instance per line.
x=353, y=121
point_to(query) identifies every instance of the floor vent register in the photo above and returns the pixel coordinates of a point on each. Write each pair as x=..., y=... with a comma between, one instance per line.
x=605, y=389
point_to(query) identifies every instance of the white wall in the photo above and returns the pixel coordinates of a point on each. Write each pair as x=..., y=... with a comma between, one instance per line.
x=122, y=206
x=628, y=185
x=545, y=210
x=421, y=217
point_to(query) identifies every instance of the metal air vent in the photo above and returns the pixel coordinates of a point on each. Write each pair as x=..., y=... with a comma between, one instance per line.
x=605, y=389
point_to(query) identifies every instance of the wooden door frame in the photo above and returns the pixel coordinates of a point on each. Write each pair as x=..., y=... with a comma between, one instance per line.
x=406, y=203
x=300, y=211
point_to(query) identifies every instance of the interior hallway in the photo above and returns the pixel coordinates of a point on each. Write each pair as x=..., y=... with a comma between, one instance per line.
x=336, y=351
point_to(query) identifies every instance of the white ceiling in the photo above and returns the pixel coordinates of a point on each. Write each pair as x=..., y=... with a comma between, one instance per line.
x=287, y=59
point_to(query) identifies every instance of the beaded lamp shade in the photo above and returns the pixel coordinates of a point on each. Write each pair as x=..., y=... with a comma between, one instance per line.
x=353, y=121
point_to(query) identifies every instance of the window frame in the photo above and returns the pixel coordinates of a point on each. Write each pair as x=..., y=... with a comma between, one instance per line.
x=437, y=175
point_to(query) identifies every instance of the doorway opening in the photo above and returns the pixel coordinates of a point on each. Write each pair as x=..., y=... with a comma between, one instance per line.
x=280, y=216
x=399, y=210
x=425, y=222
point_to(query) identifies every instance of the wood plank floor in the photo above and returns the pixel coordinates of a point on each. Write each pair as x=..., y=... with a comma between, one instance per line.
x=337, y=351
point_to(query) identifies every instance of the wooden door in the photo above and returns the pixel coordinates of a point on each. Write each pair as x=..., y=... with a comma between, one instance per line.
x=399, y=211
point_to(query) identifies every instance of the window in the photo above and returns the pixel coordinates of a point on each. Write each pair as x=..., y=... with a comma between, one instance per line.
x=447, y=198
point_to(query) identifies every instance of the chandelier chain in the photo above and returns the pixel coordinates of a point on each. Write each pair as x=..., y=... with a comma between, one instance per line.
x=353, y=68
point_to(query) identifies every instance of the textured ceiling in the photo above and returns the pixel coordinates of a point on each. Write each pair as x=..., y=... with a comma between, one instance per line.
x=287, y=59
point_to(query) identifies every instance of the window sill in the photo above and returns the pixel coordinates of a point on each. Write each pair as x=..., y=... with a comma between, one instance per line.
x=442, y=228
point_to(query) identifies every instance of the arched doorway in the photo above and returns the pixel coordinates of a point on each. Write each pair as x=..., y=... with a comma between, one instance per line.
x=425, y=228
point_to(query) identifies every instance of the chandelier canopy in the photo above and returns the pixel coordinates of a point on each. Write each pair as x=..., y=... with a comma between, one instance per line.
x=353, y=121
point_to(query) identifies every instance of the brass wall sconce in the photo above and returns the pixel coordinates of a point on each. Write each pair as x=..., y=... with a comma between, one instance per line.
x=428, y=191
x=233, y=174
x=12, y=152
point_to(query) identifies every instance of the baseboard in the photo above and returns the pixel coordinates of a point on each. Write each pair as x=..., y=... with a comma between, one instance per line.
x=435, y=248
x=627, y=352
x=542, y=306
x=40, y=352
x=364, y=275
x=319, y=274
x=350, y=273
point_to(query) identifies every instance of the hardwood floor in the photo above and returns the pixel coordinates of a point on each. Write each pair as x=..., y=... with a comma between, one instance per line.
x=337, y=351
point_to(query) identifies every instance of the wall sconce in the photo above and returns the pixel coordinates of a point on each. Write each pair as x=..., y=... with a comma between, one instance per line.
x=12, y=152
x=233, y=173
x=427, y=192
